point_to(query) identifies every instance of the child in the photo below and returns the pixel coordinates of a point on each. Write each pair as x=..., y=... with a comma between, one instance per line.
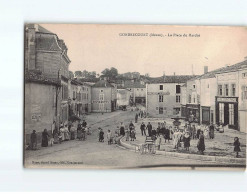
x=236, y=146
x=127, y=134
x=132, y=135
x=101, y=135
x=116, y=137
x=109, y=137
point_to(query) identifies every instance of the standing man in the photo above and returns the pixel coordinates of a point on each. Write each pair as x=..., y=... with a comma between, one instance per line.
x=136, y=118
x=149, y=127
x=143, y=128
x=122, y=132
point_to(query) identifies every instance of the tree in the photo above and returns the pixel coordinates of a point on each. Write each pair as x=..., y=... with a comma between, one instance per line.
x=111, y=73
x=78, y=73
x=71, y=75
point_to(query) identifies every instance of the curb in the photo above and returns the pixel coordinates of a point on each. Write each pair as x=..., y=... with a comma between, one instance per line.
x=191, y=156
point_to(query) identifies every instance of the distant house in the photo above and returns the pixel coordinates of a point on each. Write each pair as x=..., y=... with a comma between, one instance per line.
x=104, y=97
x=123, y=97
x=137, y=91
x=164, y=95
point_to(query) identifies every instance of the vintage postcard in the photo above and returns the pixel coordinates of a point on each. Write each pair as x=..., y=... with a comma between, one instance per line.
x=135, y=96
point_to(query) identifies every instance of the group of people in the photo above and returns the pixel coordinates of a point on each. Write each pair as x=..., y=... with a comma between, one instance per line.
x=65, y=132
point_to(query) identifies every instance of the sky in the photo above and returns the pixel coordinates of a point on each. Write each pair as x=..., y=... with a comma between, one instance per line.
x=94, y=47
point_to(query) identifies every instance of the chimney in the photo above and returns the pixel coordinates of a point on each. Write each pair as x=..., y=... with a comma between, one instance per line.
x=205, y=69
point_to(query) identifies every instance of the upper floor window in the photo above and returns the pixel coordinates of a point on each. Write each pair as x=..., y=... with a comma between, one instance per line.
x=233, y=89
x=189, y=98
x=244, y=96
x=161, y=98
x=244, y=75
x=178, y=89
x=178, y=98
x=101, y=96
x=226, y=90
x=220, y=90
x=194, y=86
x=161, y=87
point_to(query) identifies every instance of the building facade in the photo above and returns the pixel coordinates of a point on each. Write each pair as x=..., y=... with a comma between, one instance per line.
x=103, y=97
x=164, y=96
x=46, y=54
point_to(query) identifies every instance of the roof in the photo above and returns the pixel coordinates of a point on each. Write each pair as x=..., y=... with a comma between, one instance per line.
x=38, y=77
x=231, y=68
x=38, y=28
x=102, y=83
x=171, y=79
x=47, y=42
x=129, y=84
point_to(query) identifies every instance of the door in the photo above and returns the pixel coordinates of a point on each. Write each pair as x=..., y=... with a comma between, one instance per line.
x=226, y=114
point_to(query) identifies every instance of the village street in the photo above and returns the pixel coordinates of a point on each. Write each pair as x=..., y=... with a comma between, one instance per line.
x=91, y=153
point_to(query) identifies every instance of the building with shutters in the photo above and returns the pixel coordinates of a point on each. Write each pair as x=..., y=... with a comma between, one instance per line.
x=163, y=95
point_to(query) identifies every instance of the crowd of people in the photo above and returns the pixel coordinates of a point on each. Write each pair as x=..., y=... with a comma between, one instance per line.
x=65, y=132
x=180, y=136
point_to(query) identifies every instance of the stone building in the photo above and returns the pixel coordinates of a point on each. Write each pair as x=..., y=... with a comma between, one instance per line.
x=46, y=54
x=163, y=95
x=104, y=97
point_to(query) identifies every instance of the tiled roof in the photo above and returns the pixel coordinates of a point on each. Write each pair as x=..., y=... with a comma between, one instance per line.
x=231, y=68
x=102, y=83
x=171, y=79
x=38, y=77
x=129, y=84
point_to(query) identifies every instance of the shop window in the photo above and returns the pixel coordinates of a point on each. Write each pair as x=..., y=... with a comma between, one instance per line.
x=161, y=98
x=178, y=89
x=161, y=87
x=226, y=90
x=231, y=114
x=220, y=90
x=178, y=98
x=221, y=112
x=233, y=89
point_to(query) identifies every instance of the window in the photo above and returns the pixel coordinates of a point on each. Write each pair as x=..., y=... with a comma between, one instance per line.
x=221, y=110
x=233, y=89
x=101, y=91
x=189, y=98
x=231, y=114
x=74, y=94
x=194, y=99
x=160, y=98
x=220, y=90
x=178, y=98
x=161, y=110
x=226, y=90
x=161, y=87
x=178, y=90
x=194, y=86
x=101, y=97
x=244, y=97
x=101, y=106
x=244, y=75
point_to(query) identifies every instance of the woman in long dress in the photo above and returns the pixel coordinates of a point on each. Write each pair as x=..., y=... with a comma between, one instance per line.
x=45, y=137
x=72, y=132
x=66, y=133
x=187, y=141
x=201, y=143
x=79, y=132
x=55, y=136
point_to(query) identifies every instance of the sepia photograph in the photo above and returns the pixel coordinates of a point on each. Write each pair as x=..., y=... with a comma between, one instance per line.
x=115, y=96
